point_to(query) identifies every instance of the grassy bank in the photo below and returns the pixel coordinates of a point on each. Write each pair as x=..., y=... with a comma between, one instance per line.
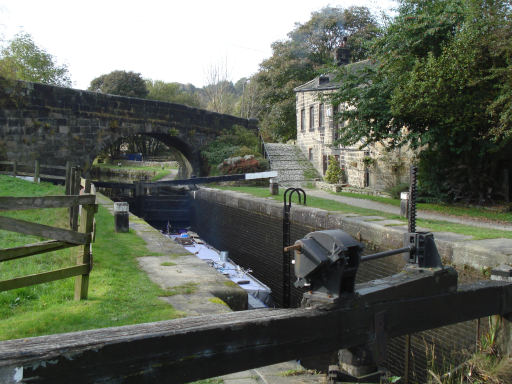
x=334, y=206
x=119, y=292
x=446, y=209
x=156, y=172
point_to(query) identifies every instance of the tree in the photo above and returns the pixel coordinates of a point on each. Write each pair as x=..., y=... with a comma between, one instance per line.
x=249, y=105
x=439, y=84
x=172, y=92
x=219, y=92
x=120, y=83
x=297, y=60
x=22, y=59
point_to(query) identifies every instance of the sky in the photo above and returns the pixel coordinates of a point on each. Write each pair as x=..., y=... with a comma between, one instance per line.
x=173, y=41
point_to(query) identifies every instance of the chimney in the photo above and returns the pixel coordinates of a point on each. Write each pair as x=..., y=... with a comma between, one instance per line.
x=343, y=53
x=323, y=79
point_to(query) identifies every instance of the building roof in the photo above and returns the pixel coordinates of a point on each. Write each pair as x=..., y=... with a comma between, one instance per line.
x=328, y=81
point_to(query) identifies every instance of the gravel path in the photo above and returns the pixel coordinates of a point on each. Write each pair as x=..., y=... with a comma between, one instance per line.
x=369, y=204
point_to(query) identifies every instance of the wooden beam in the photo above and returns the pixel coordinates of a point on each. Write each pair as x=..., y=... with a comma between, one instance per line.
x=44, y=277
x=32, y=249
x=182, y=350
x=8, y=203
x=28, y=228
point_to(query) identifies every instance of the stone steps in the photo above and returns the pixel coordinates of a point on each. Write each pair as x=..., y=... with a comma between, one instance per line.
x=289, y=162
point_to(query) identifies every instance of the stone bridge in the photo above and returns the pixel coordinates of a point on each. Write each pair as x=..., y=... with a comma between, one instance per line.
x=55, y=125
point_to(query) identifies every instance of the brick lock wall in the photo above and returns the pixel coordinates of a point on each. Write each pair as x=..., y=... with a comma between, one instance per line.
x=254, y=240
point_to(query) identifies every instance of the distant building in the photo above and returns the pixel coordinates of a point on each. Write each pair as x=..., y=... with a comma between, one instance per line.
x=317, y=130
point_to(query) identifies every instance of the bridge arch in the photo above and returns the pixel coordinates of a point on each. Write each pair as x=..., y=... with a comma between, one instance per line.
x=55, y=124
x=190, y=161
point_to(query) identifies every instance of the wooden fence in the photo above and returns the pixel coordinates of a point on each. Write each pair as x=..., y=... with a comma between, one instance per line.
x=80, y=234
x=14, y=168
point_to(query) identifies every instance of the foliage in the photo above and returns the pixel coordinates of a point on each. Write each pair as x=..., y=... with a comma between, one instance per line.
x=239, y=165
x=172, y=93
x=334, y=173
x=395, y=190
x=442, y=70
x=297, y=60
x=120, y=83
x=230, y=143
x=22, y=59
x=219, y=93
x=49, y=308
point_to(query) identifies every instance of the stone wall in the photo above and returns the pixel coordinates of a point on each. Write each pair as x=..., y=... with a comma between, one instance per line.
x=55, y=125
x=384, y=170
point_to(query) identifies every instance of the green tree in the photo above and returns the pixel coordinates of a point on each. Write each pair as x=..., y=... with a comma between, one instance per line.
x=171, y=92
x=120, y=83
x=295, y=61
x=440, y=84
x=22, y=59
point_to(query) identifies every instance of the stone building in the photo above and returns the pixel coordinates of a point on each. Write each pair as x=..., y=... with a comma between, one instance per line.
x=317, y=130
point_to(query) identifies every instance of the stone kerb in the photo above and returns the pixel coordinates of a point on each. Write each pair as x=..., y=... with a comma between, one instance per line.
x=453, y=248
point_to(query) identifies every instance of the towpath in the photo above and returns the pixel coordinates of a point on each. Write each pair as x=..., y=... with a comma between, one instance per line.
x=387, y=208
x=173, y=268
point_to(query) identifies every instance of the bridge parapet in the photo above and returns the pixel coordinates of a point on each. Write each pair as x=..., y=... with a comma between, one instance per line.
x=57, y=124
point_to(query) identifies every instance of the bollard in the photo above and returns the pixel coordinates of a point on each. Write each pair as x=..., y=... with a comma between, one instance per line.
x=121, y=217
x=404, y=204
x=274, y=187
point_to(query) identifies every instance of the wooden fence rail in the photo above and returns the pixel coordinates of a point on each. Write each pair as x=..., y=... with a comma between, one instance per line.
x=37, y=170
x=60, y=238
x=182, y=350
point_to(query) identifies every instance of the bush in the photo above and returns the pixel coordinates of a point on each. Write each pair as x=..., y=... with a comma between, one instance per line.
x=397, y=189
x=334, y=174
x=237, y=141
x=247, y=164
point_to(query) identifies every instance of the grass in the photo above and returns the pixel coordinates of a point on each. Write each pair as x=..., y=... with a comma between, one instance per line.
x=157, y=171
x=217, y=300
x=119, y=292
x=209, y=381
x=168, y=264
x=231, y=284
x=298, y=372
x=446, y=209
x=486, y=365
x=330, y=205
x=184, y=289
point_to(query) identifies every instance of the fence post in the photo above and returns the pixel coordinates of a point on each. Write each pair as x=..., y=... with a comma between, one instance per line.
x=14, y=166
x=68, y=178
x=74, y=190
x=85, y=257
x=36, y=171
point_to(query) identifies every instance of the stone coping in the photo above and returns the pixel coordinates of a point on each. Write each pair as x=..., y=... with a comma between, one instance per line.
x=188, y=270
x=454, y=248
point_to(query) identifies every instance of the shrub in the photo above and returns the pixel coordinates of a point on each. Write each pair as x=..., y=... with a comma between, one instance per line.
x=334, y=174
x=247, y=164
x=237, y=141
x=397, y=189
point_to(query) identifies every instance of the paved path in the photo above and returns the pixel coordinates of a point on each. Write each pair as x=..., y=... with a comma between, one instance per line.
x=369, y=204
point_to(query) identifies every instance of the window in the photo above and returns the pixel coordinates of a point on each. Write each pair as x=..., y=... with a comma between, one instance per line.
x=310, y=154
x=321, y=116
x=302, y=120
x=312, y=118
